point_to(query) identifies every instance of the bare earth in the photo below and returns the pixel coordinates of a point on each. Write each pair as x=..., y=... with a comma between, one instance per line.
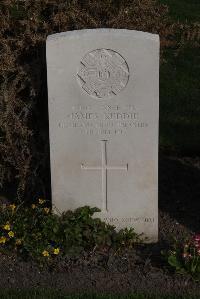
x=142, y=269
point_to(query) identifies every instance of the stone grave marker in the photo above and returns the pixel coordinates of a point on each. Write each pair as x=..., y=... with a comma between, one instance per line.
x=103, y=89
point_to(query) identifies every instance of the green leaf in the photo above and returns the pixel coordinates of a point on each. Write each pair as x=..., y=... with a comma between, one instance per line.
x=174, y=262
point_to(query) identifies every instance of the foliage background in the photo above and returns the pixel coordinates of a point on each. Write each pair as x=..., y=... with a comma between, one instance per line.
x=24, y=26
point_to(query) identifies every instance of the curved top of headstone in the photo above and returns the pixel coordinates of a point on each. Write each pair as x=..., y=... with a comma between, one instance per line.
x=82, y=32
x=103, y=70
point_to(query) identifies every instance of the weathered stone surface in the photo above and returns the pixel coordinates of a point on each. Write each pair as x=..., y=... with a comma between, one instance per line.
x=103, y=88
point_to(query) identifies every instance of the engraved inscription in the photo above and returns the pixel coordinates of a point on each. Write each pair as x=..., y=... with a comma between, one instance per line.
x=107, y=120
x=129, y=220
x=104, y=168
x=103, y=73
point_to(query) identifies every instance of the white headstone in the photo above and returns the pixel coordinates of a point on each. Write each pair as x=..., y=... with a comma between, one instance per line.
x=103, y=88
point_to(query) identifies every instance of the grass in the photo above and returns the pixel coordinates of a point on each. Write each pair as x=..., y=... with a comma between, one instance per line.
x=180, y=89
x=51, y=294
x=179, y=101
x=184, y=10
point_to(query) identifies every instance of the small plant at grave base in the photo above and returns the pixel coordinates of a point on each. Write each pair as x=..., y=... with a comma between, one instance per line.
x=38, y=233
x=185, y=257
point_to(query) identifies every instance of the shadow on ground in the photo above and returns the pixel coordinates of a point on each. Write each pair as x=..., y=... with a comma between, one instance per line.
x=179, y=190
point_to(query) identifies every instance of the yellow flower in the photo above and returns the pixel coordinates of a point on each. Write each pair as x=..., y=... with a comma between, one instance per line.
x=46, y=210
x=45, y=253
x=56, y=251
x=2, y=240
x=18, y=242
x=7, y=226
x=13, y=207
x=41, y=201
x=11, y=234
x=33, y=206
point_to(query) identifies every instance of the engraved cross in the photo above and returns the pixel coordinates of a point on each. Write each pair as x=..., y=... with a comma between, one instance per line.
x=104, y=168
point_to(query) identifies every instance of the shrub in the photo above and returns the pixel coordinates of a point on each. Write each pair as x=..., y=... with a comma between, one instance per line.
x=38, y=233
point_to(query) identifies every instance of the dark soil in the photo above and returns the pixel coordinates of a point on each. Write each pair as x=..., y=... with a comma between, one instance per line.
x=142, y=269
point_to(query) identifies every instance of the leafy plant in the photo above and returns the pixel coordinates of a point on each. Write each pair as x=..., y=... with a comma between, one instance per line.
x=39, y=233
x=185, y=258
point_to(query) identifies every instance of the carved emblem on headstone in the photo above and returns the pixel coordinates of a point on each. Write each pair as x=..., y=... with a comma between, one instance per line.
x=103, y=73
